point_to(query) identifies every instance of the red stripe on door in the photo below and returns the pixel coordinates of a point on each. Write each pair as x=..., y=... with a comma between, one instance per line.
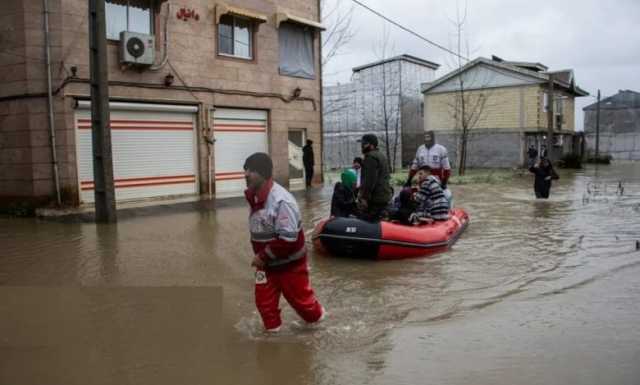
x=230, y=175
x=148, y=181
x=239, y=128
x=141, y=125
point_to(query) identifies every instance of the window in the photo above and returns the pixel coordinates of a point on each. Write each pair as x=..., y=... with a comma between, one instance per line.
x=296, y=50
x=128, y=15
x=558, y=112
x=235, y=37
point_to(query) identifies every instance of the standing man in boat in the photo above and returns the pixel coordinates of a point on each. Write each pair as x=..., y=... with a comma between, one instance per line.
x=375, y=191
x=433, y=155
x=278, y=242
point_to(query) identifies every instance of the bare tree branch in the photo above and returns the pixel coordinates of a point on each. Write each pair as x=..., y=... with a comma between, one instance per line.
x=340, y=29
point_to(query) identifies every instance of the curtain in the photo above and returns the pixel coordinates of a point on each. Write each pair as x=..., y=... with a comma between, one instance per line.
x=296, y=51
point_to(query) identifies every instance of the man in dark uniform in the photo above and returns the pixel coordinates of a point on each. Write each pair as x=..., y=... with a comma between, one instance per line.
x=375, y=191
x=308, y=161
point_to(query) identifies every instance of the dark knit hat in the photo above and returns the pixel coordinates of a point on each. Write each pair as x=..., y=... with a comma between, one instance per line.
x=261, y=163
x=369, y=139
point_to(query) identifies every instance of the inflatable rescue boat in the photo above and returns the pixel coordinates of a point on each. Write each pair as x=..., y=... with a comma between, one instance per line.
x=355, y=238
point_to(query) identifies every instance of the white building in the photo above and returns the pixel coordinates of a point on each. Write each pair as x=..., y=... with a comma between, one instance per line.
x=384, y=98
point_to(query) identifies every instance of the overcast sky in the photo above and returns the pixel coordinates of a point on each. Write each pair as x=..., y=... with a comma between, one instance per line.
x=599, y=40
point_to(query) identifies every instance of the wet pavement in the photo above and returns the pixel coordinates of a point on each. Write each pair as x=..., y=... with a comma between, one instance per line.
x=534, y=292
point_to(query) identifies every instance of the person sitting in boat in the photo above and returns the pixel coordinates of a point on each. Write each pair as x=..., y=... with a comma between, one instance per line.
x=343, y=201
x=403, y=206
x=430, y=198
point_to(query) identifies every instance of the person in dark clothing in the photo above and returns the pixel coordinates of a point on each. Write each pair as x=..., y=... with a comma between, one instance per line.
x=308, y=161
x=375, y=191
x=533, y=154
x=343, y=201
x=544, y=173
x=404, y=206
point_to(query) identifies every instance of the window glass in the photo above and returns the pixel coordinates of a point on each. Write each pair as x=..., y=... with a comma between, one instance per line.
x=128, y=15
x=116, y=19
x=242, y=38
x=140, y=19
x=225, y=35
x=296, y=51
x=234, y=37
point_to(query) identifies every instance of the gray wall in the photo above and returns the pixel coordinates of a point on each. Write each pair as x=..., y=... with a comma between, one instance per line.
x=354, y=109
x=619, y=133
x=486, y=149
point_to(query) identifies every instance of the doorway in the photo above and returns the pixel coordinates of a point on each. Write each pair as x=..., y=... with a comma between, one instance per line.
x=297, y=139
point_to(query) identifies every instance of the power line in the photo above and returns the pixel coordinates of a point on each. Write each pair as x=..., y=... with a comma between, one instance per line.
x=408, y=30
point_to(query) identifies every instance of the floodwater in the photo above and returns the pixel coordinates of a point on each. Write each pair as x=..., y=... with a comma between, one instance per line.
x=534, y=292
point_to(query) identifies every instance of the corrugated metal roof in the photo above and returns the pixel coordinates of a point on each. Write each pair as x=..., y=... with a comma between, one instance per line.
x=622, y=100
x=541, y=76
x=405, y=57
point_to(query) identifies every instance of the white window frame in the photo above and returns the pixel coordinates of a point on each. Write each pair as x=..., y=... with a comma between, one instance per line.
x=233, y=38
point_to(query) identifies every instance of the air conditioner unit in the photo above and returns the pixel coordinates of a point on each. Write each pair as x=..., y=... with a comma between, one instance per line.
x=137, y=48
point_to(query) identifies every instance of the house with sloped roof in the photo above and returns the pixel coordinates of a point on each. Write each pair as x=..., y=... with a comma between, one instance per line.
x=506, y=109
x=619, y=135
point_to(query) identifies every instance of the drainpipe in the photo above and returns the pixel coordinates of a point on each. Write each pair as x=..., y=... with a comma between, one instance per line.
x=52, y=130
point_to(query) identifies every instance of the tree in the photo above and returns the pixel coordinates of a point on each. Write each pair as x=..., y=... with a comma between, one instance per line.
x=467, y=106
x=339, y=30
x=390, y=91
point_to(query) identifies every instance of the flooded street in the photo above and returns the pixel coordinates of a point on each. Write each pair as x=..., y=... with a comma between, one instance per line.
x=534, y=292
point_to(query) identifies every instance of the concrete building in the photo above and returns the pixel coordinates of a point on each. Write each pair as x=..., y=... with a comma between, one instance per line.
x=619, y=126
x=507, y=102
x=244, y=74
x=383, y=98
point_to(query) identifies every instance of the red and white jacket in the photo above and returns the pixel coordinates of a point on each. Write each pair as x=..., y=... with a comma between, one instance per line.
x=435, y=157
x=275, y=225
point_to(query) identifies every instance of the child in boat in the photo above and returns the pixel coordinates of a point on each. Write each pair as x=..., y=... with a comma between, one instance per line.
x=343, y=201
x=430, y=198
x=403, y=206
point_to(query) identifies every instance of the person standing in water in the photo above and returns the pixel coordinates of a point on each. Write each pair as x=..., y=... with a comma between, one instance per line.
x=278, y=242
x=544, y=174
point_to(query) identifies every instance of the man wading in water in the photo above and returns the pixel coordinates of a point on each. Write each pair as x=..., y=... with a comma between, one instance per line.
x=544, y=173
x=277, y=238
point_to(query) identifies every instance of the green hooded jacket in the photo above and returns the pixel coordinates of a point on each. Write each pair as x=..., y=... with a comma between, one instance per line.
x=374, y=185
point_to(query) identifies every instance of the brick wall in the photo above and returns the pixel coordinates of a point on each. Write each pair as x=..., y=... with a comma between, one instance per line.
x=505, y=108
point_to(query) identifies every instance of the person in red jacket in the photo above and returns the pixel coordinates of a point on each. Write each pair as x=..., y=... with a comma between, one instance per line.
x=278, y=242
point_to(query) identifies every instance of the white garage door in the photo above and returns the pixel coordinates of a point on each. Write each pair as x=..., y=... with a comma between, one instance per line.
x=238, y=134
x=154, y=150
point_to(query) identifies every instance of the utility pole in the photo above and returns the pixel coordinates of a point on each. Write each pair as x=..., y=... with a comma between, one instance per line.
x=598, y=129
x=100, y=130
x=550, y=102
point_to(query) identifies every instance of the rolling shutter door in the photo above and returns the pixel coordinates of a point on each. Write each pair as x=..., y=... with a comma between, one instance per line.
x=154, y=150
x=238, y=134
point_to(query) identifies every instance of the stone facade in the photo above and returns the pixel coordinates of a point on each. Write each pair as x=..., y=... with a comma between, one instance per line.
x=215, y=81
